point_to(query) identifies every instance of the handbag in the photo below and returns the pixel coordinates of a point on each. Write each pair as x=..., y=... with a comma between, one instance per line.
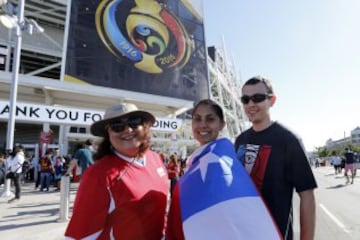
x=10, y=175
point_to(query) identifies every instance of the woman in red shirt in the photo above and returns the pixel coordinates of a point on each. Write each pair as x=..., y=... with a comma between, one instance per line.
x=123, y=195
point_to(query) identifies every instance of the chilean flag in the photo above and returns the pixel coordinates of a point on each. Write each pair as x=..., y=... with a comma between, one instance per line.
x=216, y=199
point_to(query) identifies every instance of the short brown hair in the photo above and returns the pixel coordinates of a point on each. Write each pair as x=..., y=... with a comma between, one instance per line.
x=260, y=79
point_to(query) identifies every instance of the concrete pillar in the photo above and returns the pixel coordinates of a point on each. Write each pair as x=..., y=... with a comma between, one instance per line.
x=6, y=192
x=64, y=199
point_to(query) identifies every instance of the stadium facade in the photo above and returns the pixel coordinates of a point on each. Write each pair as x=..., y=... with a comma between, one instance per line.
x=53, y=112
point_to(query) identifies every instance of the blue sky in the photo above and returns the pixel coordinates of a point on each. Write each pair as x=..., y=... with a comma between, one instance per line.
x=310, y=49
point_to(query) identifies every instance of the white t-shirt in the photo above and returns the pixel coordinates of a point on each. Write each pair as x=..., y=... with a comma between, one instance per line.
x=336, y=160
x=14, y=164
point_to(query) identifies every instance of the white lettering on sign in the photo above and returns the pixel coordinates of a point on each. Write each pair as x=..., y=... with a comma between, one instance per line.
x=30, y=112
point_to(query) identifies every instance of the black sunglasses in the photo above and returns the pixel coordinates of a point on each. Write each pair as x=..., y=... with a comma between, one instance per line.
x=134, y=123
x=256, y=98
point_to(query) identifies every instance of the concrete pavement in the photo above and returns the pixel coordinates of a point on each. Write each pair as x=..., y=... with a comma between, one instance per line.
x=35, y=216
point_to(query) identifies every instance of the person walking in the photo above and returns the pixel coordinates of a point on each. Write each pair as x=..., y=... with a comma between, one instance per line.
x=276, y=161
x=58, y=171
x=123, y=195
x=173, y=169
x=2, y=168
x=349, y=165
x=74, y=170
x=84, y=157
x=335, y=160
x=46, y=170
x=14, y=165
x=36, y=169
x=215, y=198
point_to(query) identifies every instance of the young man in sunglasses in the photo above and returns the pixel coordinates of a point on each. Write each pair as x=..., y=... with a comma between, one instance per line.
x=276, y=161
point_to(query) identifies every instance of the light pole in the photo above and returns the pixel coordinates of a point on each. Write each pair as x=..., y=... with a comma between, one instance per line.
x=14, y=18
x=10, y=20
x=15, y=77
x=14, y=82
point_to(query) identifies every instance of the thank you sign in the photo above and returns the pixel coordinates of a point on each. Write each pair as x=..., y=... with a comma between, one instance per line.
x=31, y=112
x=50, y=114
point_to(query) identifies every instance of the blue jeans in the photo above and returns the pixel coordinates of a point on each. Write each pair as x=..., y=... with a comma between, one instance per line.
x=45, y=178
x=173, y=182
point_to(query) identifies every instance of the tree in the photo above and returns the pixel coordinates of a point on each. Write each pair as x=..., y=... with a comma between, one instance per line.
x=323, y=152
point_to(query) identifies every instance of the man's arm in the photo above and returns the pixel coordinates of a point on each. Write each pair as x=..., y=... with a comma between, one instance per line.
x=307, y=215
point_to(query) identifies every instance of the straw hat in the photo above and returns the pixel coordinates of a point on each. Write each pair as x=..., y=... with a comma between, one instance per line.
x=114, y=113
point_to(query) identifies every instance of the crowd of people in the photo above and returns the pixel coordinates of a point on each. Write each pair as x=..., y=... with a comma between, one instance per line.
x=240, y=190
x=45, y=172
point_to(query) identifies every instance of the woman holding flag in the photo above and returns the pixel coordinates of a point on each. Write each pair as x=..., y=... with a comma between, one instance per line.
x=216, y=198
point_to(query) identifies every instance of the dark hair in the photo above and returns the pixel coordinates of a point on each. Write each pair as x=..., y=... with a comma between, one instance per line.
x=78, y=146
x=173, y=158
x=88, y=142
x=15, y=150
x=258, y=79
x=216, y=107
x=48, y=151
x=105, y=147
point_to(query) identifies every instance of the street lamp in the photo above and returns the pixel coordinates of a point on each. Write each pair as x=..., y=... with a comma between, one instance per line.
x=14, y=18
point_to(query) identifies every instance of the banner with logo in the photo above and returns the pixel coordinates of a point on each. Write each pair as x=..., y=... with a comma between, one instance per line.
x=155, y=47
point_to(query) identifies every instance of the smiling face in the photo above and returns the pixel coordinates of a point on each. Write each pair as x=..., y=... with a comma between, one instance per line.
x=128, y=139
x=258, y=113
x=206, y=123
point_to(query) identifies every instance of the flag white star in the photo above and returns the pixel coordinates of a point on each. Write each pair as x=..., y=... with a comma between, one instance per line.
x=225, y=162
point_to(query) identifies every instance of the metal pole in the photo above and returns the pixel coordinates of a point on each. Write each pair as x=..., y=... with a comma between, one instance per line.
x=15, y=77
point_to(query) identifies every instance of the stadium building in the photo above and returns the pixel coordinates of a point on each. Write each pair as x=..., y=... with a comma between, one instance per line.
x=71, y=68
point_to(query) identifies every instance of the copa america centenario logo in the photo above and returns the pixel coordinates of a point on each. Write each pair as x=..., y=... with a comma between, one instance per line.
x=144, y=32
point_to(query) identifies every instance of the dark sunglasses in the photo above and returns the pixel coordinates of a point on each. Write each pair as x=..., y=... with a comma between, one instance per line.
x=256, y=98
x=134, y=123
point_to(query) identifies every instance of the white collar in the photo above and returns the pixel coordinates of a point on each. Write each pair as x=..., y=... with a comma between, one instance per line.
x=140, y=162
